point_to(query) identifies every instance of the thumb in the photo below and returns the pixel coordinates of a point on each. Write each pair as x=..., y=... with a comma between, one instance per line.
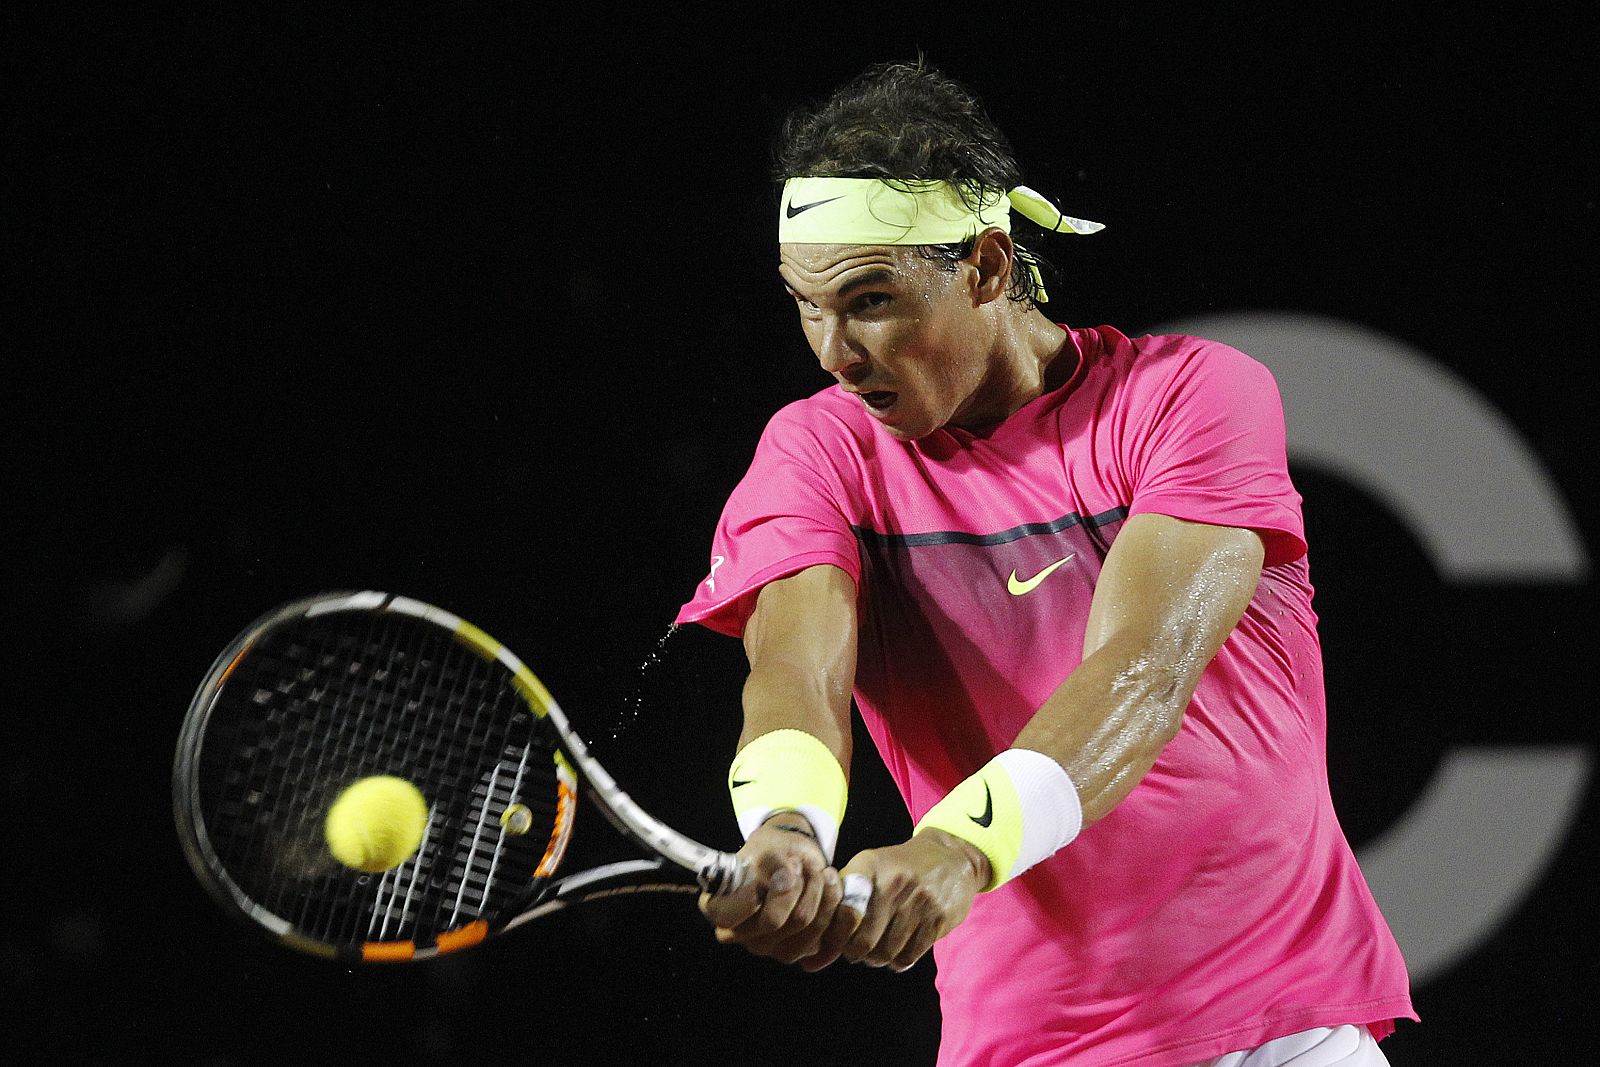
x=777, y=871
x=864, y=862
x=857, y=879
x=731, y=909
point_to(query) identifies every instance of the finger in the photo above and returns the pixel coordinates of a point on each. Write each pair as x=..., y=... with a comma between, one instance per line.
x=784, y=889
x=870, y=930
x=895, y=934
x=916, y=946
x=856, y=881
x=843, y=925
x=777, y=935
x=733, y=909
x=799, y=941
x=811, y=894
x=784, y=885
x=810, y=903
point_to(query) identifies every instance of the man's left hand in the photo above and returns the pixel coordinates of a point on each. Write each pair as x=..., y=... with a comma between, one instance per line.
x=921, y=890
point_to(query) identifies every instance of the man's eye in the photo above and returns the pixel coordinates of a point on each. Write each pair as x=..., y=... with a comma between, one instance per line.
x=874, y=300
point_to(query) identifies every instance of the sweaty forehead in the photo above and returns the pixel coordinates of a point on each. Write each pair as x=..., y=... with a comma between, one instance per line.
x=829, y=266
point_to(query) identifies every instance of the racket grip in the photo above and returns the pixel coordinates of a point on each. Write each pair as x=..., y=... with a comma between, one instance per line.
x=857, y=892
x=731, y=873
x=724, y=875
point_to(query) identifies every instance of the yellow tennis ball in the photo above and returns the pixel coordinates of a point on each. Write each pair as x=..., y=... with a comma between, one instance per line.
x=376, y=824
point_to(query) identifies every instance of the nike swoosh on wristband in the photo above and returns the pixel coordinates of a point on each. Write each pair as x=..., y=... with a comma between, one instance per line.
x=988, y=808
x=736, y=785
x=792, y=210
x=1017, y=587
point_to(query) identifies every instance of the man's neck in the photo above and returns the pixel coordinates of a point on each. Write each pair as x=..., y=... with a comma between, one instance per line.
x=1027, y=362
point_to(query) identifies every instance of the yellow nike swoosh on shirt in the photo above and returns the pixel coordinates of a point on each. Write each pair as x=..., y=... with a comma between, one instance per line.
x=1017, y=587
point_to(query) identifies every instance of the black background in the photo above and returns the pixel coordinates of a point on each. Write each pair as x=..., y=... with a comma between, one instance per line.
x=479, y=306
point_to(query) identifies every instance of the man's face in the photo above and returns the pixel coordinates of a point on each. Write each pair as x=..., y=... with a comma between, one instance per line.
x=898, y=331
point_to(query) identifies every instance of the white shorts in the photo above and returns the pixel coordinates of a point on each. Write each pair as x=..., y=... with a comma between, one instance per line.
x=1340, y=1046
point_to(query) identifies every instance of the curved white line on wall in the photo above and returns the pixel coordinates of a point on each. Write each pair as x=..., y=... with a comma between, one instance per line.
x=1472, y=847
x=1398, y=424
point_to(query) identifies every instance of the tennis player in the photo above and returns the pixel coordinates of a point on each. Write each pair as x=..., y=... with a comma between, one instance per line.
x=1063, y=574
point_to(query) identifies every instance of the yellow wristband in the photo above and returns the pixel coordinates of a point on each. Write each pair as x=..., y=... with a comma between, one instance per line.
x=789, y=770
x=1018, y=809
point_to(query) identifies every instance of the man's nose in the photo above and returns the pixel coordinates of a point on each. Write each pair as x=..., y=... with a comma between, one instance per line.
x=834, y=350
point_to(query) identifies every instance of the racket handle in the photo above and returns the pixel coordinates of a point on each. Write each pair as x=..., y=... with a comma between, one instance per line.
x=728, y=873
x=857, y=892
x=724, y=875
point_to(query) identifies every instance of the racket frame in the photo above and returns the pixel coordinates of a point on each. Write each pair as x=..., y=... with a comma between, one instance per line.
x=676, y=863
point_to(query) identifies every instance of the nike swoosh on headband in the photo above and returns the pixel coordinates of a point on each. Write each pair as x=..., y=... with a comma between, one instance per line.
x=791, y=210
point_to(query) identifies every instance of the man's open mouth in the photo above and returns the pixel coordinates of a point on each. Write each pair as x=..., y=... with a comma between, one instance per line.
x=879, y=399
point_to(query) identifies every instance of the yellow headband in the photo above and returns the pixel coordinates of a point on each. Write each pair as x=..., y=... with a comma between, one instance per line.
x=869, y=211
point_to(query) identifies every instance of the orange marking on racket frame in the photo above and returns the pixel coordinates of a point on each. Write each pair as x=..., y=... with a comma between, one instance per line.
x=565, y=796
x=228, y=670
x=388, y=951
x=466, y=937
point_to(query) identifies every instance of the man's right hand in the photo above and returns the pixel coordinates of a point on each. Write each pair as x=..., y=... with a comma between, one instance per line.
x=790, y=900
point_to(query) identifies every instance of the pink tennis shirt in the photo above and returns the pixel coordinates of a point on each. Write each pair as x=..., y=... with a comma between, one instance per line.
x=1219, y=905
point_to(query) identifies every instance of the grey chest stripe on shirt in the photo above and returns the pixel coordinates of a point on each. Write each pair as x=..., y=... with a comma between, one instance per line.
x=1016, y=533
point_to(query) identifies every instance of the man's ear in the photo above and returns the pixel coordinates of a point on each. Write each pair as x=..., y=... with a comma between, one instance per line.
x=993, y=258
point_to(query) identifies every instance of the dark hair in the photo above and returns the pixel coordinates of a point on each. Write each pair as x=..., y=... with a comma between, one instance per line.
x=906, y=122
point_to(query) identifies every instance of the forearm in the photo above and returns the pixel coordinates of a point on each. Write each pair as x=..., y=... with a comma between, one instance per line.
x=801, y=644
x=790, y=770
x=1170, y=594
x=785, y=696
x=1108, y=722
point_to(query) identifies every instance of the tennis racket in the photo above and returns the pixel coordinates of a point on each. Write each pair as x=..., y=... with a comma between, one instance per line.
x=325, y=691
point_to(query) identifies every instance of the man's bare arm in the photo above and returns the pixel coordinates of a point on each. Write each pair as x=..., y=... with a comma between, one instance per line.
x=801, y=644
x=1169, y=595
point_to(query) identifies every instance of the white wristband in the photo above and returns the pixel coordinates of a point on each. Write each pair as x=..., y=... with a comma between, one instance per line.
x=823, y=827
x=1052, y=814
x=1017, y=809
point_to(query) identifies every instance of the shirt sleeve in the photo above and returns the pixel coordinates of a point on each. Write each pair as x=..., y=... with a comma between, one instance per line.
x=1214, y=450
x=784, y=515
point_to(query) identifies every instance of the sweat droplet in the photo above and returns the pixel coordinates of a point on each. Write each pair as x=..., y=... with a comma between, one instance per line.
x=634, y=704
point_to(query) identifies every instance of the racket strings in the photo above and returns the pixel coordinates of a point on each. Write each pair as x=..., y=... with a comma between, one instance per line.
x=395, y=698
x=314, y=707
x=469, y=867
